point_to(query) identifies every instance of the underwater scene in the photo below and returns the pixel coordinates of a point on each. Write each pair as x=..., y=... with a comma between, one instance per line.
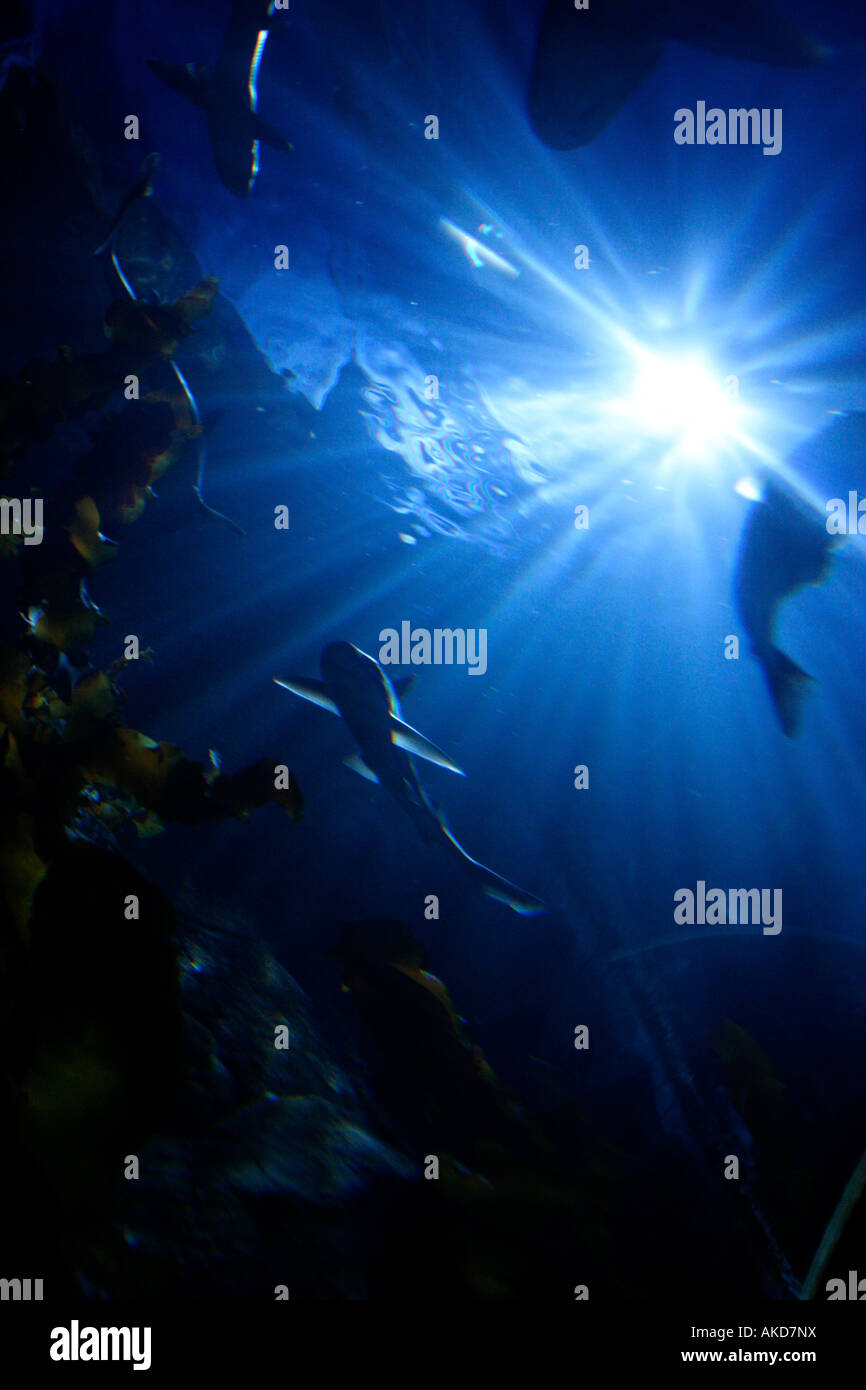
x=432, y=630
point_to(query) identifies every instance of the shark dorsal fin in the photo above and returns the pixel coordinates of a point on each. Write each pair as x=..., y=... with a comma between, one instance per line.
x=403, y=685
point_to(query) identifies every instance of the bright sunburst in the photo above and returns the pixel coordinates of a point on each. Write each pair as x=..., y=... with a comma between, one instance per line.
x=683, y=398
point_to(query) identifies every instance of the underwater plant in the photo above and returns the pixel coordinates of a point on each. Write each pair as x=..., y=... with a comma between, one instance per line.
x=90, y=1069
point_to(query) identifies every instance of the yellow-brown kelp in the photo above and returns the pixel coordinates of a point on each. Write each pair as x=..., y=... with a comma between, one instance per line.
x=44, y=394
x=132, y=448
x=410, y=1014
x=496, y=1170
x=90, y=1018
x=54, y=752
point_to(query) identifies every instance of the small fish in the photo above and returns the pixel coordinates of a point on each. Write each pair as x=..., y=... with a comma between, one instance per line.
x=356, y=688
x=142, y=188
x=783, y=546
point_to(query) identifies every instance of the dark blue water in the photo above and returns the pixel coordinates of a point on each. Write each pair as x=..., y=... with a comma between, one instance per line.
x=605, y=645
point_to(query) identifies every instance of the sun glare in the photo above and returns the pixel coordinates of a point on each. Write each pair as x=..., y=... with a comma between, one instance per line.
x=683, y=400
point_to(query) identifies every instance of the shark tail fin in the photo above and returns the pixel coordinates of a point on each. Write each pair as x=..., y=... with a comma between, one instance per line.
x=521, y=902
x=493, y=884
x=788, y=685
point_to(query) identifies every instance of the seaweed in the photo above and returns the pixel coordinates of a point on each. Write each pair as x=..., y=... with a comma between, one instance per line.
x=90, y=1068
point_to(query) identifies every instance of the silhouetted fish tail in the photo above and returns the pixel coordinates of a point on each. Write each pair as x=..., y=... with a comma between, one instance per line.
x=502, y=891
x=788, y=685
x=493, y=884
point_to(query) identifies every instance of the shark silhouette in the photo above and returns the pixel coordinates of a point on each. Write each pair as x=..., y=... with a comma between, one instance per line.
x=227, y=95
x=784, y=545
x=355, y=687
x=588, y=62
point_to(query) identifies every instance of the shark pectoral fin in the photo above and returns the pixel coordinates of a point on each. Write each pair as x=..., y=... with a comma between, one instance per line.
x=104, y=245
x=753, y=30
x=355, y=763
x=180, y=79
x=314, y=691
x=270, y=136
x=405, y=737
